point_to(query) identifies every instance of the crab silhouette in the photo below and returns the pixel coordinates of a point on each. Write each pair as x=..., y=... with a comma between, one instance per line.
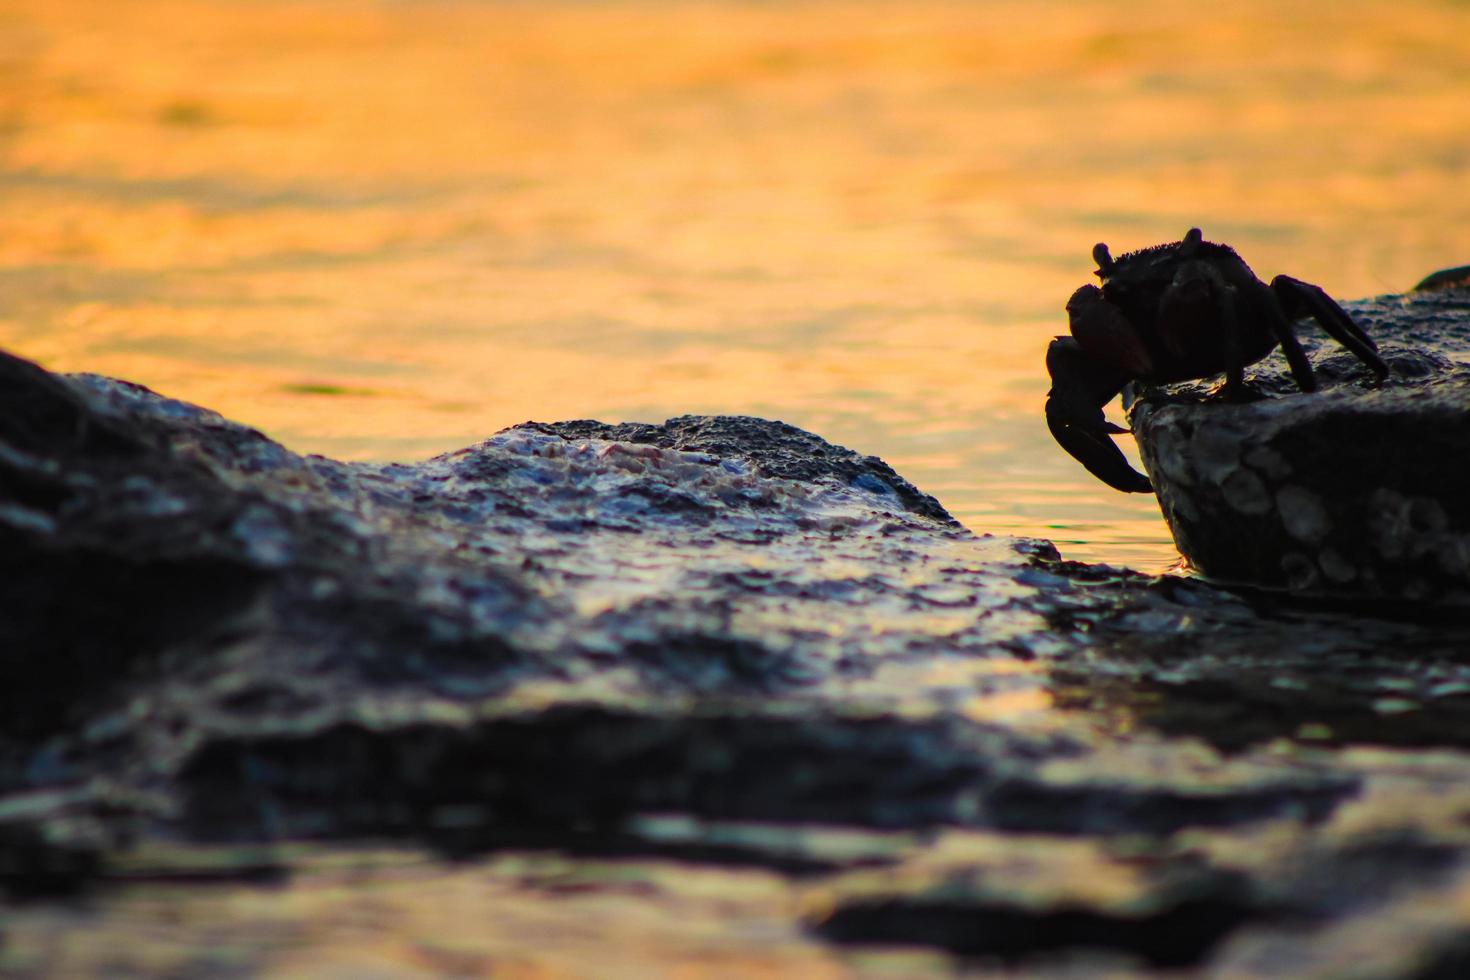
x=1175, y=312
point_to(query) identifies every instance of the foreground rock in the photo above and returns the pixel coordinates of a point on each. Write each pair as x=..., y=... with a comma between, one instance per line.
x=1354, y=491
x=712, y=694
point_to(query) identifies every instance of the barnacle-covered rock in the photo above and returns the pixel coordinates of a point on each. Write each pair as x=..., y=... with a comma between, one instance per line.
x=1356, y=490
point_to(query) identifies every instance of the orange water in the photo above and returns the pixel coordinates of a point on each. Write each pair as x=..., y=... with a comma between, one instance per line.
x=385, y=230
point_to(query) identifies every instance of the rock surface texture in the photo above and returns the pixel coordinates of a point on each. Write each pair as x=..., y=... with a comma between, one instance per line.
x=712, y=695
x=1353, y=491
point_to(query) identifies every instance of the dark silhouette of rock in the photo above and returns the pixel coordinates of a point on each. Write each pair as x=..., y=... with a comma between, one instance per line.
x=1358, y=490
x=1459, y=276
x=237, y=684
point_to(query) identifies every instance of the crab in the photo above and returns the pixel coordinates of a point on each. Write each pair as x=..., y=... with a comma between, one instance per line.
x=1176, y=312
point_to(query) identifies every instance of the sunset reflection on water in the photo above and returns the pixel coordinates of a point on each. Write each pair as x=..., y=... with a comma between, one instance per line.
x=383, y=231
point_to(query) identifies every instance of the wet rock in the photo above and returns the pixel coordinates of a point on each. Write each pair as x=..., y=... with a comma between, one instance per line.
x=227, y=669
x=1020, y=901
x=1353, y=491
x=33, y=864
x=779, y=450
x=1049, y=904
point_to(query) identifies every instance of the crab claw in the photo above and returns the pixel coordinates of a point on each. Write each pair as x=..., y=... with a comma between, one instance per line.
x=1299, y=299
x=1080, y=388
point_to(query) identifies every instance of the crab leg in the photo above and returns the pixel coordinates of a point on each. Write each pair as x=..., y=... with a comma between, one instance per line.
x=1230, y=324
x=1080, y=388
x=1280, y=324
x=1299, y=298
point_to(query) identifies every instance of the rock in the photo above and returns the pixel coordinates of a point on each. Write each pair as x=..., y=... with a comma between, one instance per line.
x=711, y=691
x=1352, y=491
x=1459, y=276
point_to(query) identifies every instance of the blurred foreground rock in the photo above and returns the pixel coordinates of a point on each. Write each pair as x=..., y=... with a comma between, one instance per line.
x=1352, y=491
x=709, y=695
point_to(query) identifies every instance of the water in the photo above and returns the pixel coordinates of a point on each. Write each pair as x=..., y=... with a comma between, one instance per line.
x=383, y=231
